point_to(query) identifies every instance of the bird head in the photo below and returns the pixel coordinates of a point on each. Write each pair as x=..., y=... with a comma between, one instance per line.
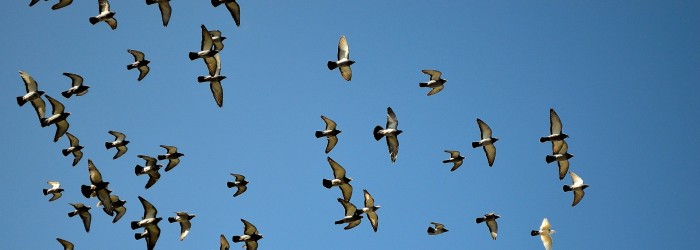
x=398, y=132
x=375, y=208
x=494, y=139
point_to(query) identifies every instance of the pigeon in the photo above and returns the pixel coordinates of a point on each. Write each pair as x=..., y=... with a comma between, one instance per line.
x=439, y=228
x=239, y=183
x=206, y=48
x=151, y=234
x=455, y=158
x=490, y=219
x=232, y=7
x=344, y=62
x=58, y=118
x=391, y=132
x=97, y=188
x=185, y=225
x=171, y=155
x=139, y=62
x=330, y=133
x=67, y=245
x=118, y=142
x=117, y=206
x=74, y=149
x=165, y=10
x=31, y=87
x=370, y=209
x=561, y=157
x=217, y=39
x=149, y=216
x=77, y=87
x=214, y=79
x=223, y=243
x=151, y=169
x=250, y=236
x=55, y=190
x=339, y=180
x=60, y=4
x=486, y=141
x=545, y=234
x=84, y=212
x=554, y=128
x=105, y=15
x=350, y=217
x=435, y=83
x=577, y=187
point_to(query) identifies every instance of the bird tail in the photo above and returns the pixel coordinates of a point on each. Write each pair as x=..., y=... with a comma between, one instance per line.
x=201, y=79
x=550, y=158
x=327, y=183
x=332, y=65
x=236, y=238
x=445, y=161
x=149, y=2
x=215, y=3
x=45, y=191
x=319, y=134
x=94, y=20
x=479, y=220
x=66, y=94
x=431, y=230
x=567, y=188
x=544, y=139
x=377, y=135
x=339, y=222
x=65, y=152
x=534, y=233
x=108, y=145
x=134, y=225
x=72, y=213
x=44, y=122
x=138, y=170
x=21, y=101
x=138, y=236
x=171, y=219
x=193, y=55
x=230, y=184
x=161, y=157
x=423, y=84
x=86, y=191
x=130, y=66
x=476, y=144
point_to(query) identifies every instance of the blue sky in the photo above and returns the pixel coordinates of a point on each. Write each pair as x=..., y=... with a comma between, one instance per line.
x=623, y=76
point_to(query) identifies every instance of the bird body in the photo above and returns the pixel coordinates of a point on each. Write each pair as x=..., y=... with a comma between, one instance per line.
x=343, y=63
x=185, y=224
x=55, y=190
x=486, y=142
x=439, y=228
x=577, y=187
x=119, y=143
x=74, y=149
x=105, y=15
x=545, y=233
x=330, y=132
x=84, y=212
x=77, y=87
x=455, y=158
x=391, y=133
x=240, y=183
x=491, y=223
x=435, y=82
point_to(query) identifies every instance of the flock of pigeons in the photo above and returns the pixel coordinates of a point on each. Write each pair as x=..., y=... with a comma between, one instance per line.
x=211, y=46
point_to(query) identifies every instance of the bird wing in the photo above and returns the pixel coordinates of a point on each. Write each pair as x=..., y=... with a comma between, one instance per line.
x=456, y=165
x=453, y=153
x=143, y=71
x=338, y=171
x=332, y=141
x=118, y=136
x=95, y=175
x=434, y=74
x=170, y=149
x=346, y=189
x=74, y=142
x=369, y=201
x=251, y=245
x=484, y=128
x=437, y=225
x=490, y=151
x=86, y=217
x=152, y=236
x=121, y=150
x=546, y=241
x=149, y=211
x=435, y=90
x=112, y=22
x=249, y=228
x=349, y=207
x=235, y=11
x=40, y=107
x=238, y=177
x=152, y=178
x=29, y=84
x=150, y=161
x=557, y=145
x=77, y=155
x=103, y=6
x=55, y=196
x=393, y=143
x=54, y=184
x=61, y=4
x=61, y=129
x=578, y=195
x=563, y=168
x=172, y=163
x=207, y=43
x=346, y=72
x=577, y=181
x=185, y=226
x=218, y=92
x=391, y=121
x=493, y=228
x=352, y=224
x=343, y=49
x=67, y=245
x=103, y=196
x=121, y=210
x=240, y=190
x=138, y=55
x=373, y=219
x=545, y=225
x=330, y=124
x=224, y=245
x=76, y=79
x=165, y=11
x=57, y=106
x=554, y=122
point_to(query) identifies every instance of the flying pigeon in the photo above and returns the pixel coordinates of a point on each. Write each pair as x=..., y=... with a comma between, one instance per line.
x=232, y=7
x=55, y=190
x=339, y=180
x=67, y=245
x=77, y=87
x=554, y=128
x=435, y=83
x=74, y=149
x=545, y=234
x=250, y=236
x=139, y=63
x=439, y=228
x=350, y=217
x=185, y=224
x=149, y=222
x=577, y=187
x=370, y=209
x=58, y=118
x=344, y=61
x=97, y=188
x=60, y=4
x=84, y=212
x=561, y=157
x=118, y=142
x=330, y=133
x=151, y=169
x=165, y=10
x=486, y=141
x=33, y=95
x=239, y=183
x=171, y=155
x=455, y=158
x=105, y=15
x=117, y=206
x=391, y=132
x=490, y=219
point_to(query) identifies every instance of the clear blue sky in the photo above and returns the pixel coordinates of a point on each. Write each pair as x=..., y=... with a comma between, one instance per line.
x=623, y=76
